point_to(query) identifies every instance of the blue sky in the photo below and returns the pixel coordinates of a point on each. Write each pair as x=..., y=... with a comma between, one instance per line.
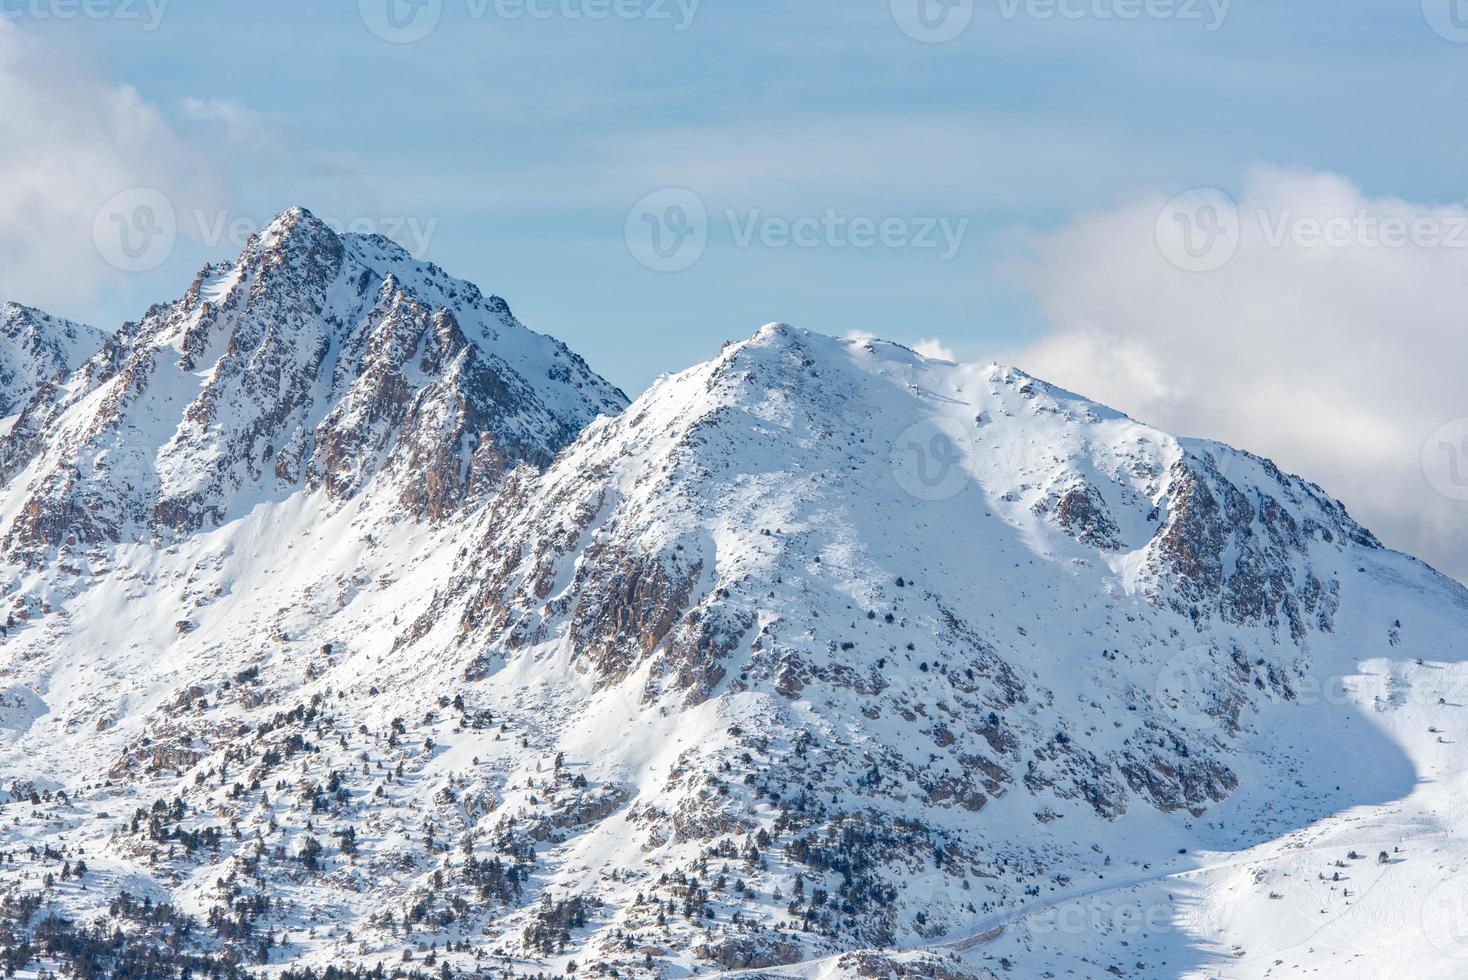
x=523, y=142
x=1000, y=193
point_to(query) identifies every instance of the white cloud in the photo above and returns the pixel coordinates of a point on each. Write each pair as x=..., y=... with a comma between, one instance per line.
x=931, y=347
x=73, y=143
x=1322, y=342
x=242, y=125
x=935, y=348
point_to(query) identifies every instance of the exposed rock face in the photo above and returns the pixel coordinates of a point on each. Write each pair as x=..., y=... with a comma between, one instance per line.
x=37, y=351
x=1245, y=556
x=886, y=966
x=737, y=534
x=753, y=953
x=318, y=361
x=1082, y=513
x=421, y=649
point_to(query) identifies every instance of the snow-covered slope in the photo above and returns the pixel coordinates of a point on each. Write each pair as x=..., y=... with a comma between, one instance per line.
x=948, y=634
x=37, y=349
x=820, y=659
x=316, y=360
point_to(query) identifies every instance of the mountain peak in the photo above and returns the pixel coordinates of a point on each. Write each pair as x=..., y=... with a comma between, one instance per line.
x=12, y=312
x=298, y=224
x=291, y=221
x=297, y=231
x=842, y=646
x=315, y=361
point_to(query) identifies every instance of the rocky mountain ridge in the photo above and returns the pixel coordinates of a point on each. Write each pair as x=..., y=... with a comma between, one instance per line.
x=439, y=659
x=316, y=361
x=37, y=349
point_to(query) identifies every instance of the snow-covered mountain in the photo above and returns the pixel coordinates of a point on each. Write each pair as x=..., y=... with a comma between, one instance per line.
x=328, y=362
x=820, y=659
x=37, y=349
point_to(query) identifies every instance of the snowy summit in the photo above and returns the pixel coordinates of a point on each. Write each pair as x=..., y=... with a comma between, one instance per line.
x=350, y=623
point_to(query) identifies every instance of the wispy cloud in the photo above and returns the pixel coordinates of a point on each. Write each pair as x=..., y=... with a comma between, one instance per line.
x=73, y=142
x=241, y=125
x=935, y=348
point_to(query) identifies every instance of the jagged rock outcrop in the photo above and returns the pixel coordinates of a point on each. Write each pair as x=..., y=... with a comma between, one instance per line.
x=38, y=350
x=429, y=648
x=317, y=360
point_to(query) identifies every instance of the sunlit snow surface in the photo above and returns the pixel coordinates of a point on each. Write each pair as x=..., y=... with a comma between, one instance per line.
x=793, y=479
